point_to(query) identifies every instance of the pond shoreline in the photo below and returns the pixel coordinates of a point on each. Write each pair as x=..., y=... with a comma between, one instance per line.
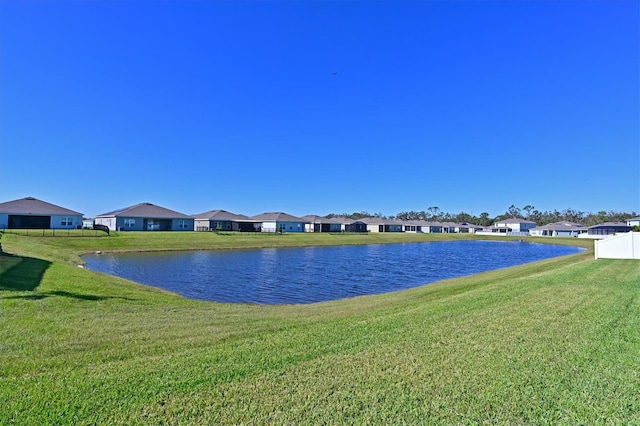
x=315, y=274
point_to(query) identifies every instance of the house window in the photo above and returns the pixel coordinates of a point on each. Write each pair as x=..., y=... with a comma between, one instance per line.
x=182, y=224
x=66, y=221
x=129, y=223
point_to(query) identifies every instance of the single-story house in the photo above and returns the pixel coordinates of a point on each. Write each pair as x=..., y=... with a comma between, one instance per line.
x=430, y=227
x=412, y=226
x=513, y=224
x=468, y=228
x=31, y=213
x=355, y=226
x=608, y=228
x=145, y=217
x=222, y=220
x=449, y=227
x=376, y=224
x=558, y=229
x=634, y=221
x=323, y=224
x=279, y=222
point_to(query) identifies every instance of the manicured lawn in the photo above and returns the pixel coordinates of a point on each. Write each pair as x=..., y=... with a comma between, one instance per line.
x=555, y=342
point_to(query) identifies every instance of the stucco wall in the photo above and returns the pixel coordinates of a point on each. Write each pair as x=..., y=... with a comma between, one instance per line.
x=56, y=221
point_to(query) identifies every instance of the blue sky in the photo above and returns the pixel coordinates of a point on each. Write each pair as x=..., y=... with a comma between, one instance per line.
x=199, y=105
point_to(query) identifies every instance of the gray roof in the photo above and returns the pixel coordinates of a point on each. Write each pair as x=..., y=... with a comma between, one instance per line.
x=380, y=221
x=220, y=215
x=450, y=224
x=560, y=226
x=311, y=218
x=427, y=223
x=470, y=225
x=277, y=217
x=30, y=205
x=611, y=225
x=146, y=210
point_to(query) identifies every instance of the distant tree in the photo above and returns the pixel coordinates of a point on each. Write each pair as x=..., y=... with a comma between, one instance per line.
x=535, y=216
x=571, y=215
x=484, y=219
x=513, y=211
x=434, y=213
x=463, y=217
x=528, y=208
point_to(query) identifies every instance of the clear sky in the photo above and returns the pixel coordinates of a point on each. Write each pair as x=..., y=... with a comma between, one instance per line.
x=317, y=107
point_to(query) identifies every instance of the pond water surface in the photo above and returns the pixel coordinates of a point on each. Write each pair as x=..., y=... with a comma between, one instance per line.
x=314, y=274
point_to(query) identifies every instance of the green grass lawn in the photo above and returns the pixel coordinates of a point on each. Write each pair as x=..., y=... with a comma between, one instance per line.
x=554, y=342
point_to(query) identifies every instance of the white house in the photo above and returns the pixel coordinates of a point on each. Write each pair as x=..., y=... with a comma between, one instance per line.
x=634, y=221
x=145, y=217
x=322, y=224
x=513, y=224
x=558, y=229
x=376, y=224
x=430, y=227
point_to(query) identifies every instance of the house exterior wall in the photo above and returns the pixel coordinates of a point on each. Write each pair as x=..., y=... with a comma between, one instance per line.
x=56, y=222
x=322, y=227
x=515, y=226
x=373, y=228
x=554, y=232
x=290, y=226
x=213, y=225
x=66, y=221
x=431, y=229
x=185, y=224
x=201, y=224
x=622, y=246
x=109, y=222
x=143, y=224
x=268, y=226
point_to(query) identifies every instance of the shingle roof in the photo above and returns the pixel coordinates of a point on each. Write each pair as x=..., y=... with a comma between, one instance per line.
x=380, y=221
x=219, y=215
x=146, y=210
x=30, y=205
x=277, y=217
x=611, y=225
x=560, y=226
x=319, y=219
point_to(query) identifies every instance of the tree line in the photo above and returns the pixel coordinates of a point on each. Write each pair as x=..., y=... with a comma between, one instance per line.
x=528, y=212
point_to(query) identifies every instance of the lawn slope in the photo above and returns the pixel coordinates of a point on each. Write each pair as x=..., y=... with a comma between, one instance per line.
x=554, y=342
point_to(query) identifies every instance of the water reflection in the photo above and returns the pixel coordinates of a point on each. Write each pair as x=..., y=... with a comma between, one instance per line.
x=313, y=274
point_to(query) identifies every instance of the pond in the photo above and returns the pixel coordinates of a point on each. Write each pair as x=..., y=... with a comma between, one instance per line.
x=315, y=274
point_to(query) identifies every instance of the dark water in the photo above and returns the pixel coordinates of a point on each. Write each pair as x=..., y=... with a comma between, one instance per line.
x=314, y=274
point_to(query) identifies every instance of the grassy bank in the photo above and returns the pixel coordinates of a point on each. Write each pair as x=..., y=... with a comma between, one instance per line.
x=555, y=342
